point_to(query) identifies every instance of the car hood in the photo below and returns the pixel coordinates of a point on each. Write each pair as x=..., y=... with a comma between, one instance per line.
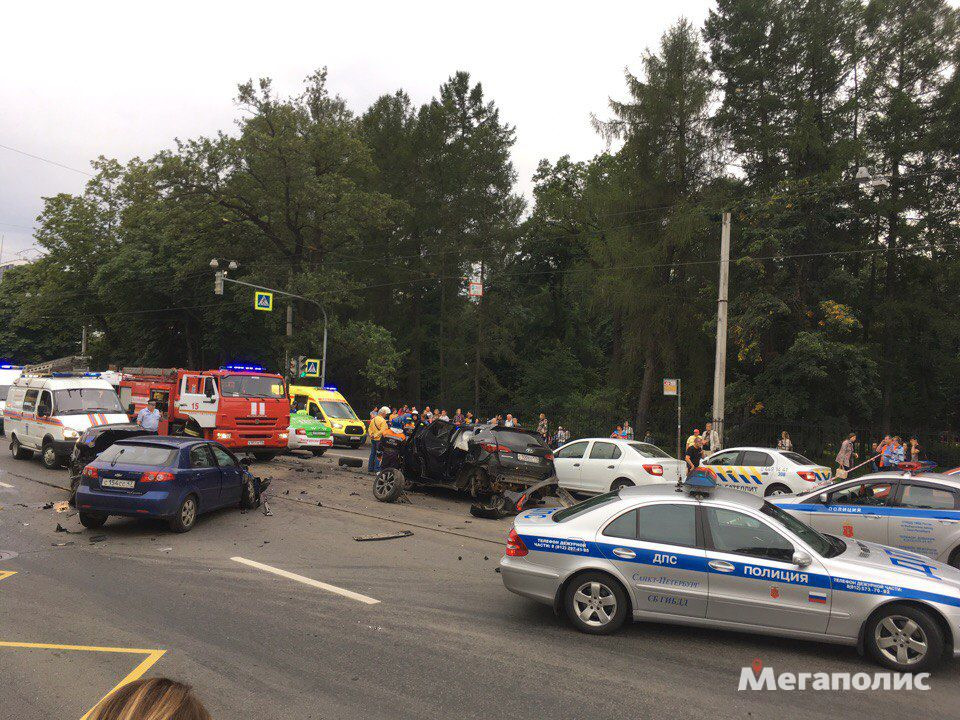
x=875, y=563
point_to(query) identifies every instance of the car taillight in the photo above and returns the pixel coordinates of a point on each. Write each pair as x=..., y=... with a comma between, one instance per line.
x=301, y=431
x=548, y=456
x=654, y=469
x=156, y=477
x=90, y=471
x=807, y=475
x=493, y=447
x=515, y=546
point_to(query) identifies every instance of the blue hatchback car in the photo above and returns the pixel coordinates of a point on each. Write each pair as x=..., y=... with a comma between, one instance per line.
x=173, y=478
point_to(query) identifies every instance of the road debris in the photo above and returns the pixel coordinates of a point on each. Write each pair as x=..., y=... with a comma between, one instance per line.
x=63, y=544
x=98, y=538
x=62, y=506
x=61, y=528
x=383, y=536
x=350, y=462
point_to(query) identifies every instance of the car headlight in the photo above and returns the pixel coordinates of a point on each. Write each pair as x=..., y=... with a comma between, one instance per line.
x=338, y=426
x=283, y=436
x=223, y=436
x=70, y=434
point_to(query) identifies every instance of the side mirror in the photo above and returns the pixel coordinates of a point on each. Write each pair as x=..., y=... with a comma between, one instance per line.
x=801, y=559
x=822, y=497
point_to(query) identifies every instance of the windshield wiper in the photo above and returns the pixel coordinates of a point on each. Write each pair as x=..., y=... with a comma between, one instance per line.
x=114, y=461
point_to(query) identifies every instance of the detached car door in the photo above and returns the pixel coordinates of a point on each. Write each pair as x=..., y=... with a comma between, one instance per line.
x=568, y=462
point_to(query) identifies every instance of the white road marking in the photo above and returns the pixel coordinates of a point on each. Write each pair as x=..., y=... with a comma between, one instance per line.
x=3, y=484
x=307, y=581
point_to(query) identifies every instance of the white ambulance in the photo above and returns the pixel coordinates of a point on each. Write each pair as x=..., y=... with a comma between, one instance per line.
x=46, y=415
x=8, y=373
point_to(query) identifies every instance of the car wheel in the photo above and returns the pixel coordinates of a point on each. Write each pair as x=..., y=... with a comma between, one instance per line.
x=74, y=484
x=48, y=457
x=92, y=521
x=387, y=485
x=955, y=558
x=318, y=452
x=776, y=489
x=595, y=603
x=904, y=638
x=186, y=515
x=264, y=456
x=18, y=451
x=621, y=483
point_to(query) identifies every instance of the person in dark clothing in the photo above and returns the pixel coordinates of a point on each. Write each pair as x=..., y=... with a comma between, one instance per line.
x=694, y=454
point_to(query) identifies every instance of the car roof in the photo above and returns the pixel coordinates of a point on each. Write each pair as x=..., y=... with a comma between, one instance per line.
x=174, y=441
x=750, y=447
x=952, y=480
x=62, y=383
x=668, y=491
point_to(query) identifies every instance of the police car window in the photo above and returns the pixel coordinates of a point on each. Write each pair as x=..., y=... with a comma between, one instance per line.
x=624, y=526
x=668, y=524
x=604, y=451
x=927, y=498
x=200, y=457
x=819, y=543
x=755, y=458
x=724, y=458
x=796, y=458
x=875, y=494
x=573, y=450
x=735, y=532
x=586, y=506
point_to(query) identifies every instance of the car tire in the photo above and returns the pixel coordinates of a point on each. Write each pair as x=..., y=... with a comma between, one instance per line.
x=48, y=457
x=892, y=635
x=264, y=456
x=92, y=520
x=388, y=485
x=18, y=451
x=587, y=600
x=776, y=489
x=74, y=484
x=318, y=452
x=620, y=483
x=955, y=558
x=186, y=516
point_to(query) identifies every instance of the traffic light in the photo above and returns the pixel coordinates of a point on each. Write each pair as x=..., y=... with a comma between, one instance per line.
x=218, y=283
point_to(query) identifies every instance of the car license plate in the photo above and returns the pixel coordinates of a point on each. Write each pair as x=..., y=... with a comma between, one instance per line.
x=255, y=442
x=528, y=458
x=118, y=483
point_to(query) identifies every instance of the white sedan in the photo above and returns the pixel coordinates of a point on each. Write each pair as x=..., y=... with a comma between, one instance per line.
x=598, y=465
x=765, y=471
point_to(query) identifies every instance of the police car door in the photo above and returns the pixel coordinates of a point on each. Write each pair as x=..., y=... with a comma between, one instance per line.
x=753, y=578
x=655, y=548
x=856, y=510
x=925, y=519
x=724, y=464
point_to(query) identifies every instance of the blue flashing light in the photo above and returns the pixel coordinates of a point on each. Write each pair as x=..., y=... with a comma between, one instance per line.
x=7, y=366
x=701, y=480
x=243, y=368
x=331, y=388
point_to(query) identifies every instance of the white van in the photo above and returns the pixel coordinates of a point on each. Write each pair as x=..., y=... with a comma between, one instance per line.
x=8, y=373
x=48, y=414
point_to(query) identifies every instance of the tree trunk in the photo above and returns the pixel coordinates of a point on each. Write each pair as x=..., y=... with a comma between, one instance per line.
x=646, y=389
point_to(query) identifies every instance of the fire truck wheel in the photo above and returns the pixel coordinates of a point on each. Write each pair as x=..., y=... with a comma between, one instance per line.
x=264, y=456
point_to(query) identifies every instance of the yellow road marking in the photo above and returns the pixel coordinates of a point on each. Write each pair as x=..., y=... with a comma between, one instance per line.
x=4, y=574
x=152, y=656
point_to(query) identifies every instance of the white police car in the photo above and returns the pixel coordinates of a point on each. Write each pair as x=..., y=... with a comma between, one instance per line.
x=908, y=507
x=765, y=471
x=708, y=556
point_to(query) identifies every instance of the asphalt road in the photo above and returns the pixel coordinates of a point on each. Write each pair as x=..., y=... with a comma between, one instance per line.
x=443, y=639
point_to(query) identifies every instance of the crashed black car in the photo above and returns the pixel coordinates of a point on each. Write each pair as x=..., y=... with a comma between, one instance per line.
x=492, y=463
x=94, y=441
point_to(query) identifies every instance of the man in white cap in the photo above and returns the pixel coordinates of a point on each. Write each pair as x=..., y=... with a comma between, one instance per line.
x=377, y=427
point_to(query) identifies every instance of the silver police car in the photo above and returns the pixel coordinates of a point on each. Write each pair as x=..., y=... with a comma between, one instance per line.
x=909, y=509
x=714, y=557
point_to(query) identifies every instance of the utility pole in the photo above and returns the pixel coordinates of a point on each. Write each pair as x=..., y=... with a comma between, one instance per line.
x=83, y=342
x=720, y=365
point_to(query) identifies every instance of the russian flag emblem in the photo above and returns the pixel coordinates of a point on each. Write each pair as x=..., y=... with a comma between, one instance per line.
x=816, y=597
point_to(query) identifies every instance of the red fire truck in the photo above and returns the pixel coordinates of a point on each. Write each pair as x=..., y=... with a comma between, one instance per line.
x=240, y=406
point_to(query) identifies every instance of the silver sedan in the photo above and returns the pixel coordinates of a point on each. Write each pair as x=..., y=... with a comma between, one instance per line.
x=721, y=558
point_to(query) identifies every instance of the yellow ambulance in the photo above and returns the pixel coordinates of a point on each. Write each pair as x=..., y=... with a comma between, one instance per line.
x=328, y=405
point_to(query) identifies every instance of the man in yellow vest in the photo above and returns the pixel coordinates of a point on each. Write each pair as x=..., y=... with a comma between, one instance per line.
x=377, y=427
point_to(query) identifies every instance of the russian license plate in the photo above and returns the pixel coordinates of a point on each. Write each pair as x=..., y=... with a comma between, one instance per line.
x=118, y=483
x=255, y=442
x=528, y=458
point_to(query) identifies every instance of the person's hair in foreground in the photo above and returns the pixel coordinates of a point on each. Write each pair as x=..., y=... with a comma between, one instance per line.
x=151, y=699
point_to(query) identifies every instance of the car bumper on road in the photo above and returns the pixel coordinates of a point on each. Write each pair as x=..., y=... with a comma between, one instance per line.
x=155, y=503
x=309, y=442
x=529, y=580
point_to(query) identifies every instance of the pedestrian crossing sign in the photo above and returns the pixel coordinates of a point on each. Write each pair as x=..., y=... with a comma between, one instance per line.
x=263, y=301
x=311, y=368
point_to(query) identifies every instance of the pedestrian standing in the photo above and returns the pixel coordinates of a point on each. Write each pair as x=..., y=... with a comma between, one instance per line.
x=458, y=417
x=694, y=454
x=711, y=437
x=509, y=422
x=468, y=420
x=377, y=427
x=627, y=430
x=692, y=438
x=149, y=417
x=846, y=455
x=879, y=449
x=914, y=449
x=784, y=443
x=648, y=437
x=543, y=428
x=618, y=432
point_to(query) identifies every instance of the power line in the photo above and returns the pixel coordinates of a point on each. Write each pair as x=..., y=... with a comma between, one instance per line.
x=46, y=160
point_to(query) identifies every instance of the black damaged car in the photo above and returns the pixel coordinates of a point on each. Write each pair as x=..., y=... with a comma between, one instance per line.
x=492, y=463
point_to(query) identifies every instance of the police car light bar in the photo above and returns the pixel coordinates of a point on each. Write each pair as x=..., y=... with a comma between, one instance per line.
x=331, y=388
x=243, y=368
x=700, y=481
x=916, y=466
x=7, y=366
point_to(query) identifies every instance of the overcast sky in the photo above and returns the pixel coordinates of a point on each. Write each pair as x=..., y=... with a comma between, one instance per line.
x=122, y=79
